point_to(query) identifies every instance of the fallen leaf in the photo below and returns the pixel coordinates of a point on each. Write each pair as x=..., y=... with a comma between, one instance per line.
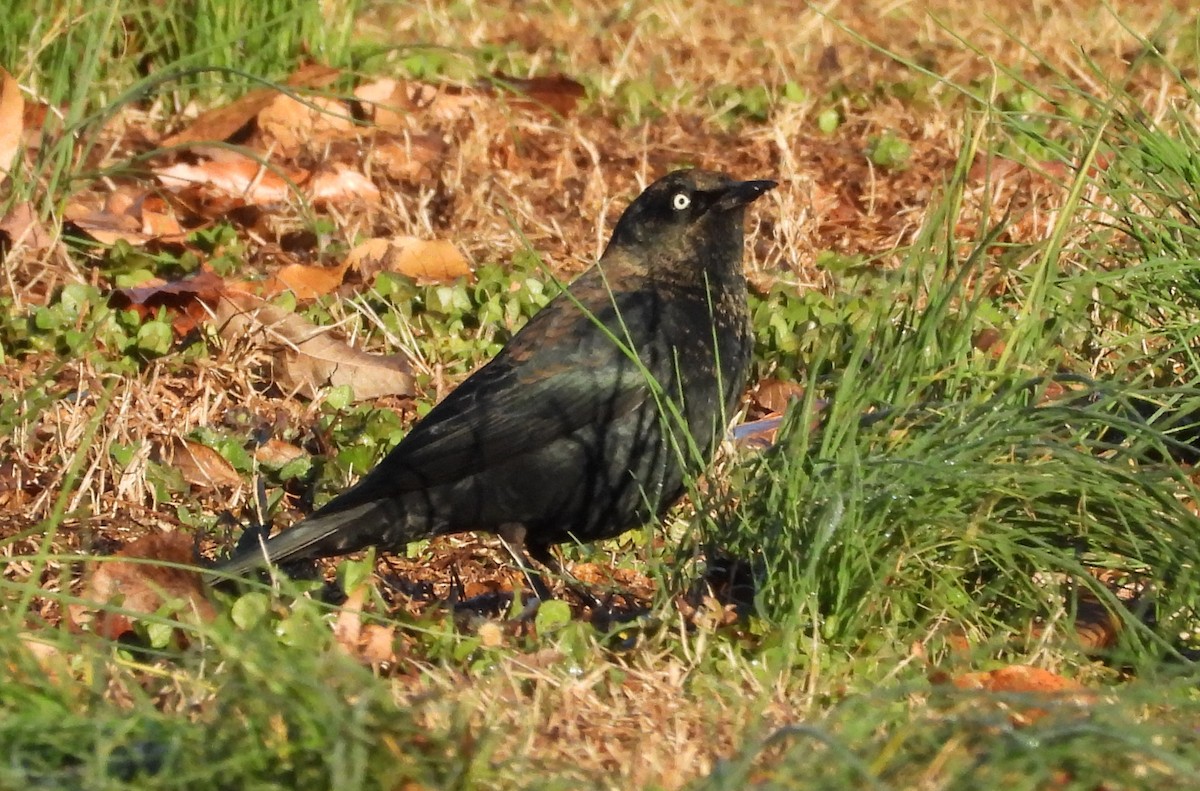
x=1017, y=678
x=199, y=464
x=22, y=227
x=237, y=175
x=277, y=453
x=340, y=185
x=408, y=158
x=1025, y=679
x=774, y=395
x=386, y=103
x=556, y=92
x=12, y=124
x=348, y=626
x=306, y=357
x=377, y=644
x=49, y=657
x=294, y=124
x=222, y=123
x=305, y=280
x=143, y=588
x=437, y=102
x=426, y=260
x=185, y=297
x=490, y=634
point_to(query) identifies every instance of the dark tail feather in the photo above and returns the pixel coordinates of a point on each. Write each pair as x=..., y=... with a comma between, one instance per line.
x=321, y=535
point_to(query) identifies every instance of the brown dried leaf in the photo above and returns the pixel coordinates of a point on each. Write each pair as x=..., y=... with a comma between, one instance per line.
x=341, y=185
x=386, y=103
x=222, y=123
x=377, y=644
x=186, y=297
x=276, y=453
x=199, y=464
x=12, y=124
x=1024, y=679
x=557, y=93
x=1017, y=678
x=348, y=626
x=774, y=395
x=438, y=103
x=293, y=124
x=407, y=159
x=234, y=174
x=22, y=226
x=306, y=281
x=144, y=587
x=426, y=260
x=307, y=358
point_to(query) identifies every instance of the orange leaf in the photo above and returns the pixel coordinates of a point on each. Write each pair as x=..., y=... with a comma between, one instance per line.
x=557, y=93
x=342, y=185
x=276, y=453
x=426, y=261
x=12, y=124
x=306, y=281
x=220, y=124
x=1017, y=678
x=143, y=587
x=292, y=123
x=234, y=174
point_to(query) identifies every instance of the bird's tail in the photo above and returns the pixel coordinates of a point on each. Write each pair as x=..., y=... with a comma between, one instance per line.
x=323, y=534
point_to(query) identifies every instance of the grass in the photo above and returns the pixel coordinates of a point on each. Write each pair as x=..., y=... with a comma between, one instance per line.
x=943, y=179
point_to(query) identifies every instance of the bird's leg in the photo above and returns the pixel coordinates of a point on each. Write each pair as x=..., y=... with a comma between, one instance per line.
x=545, y=555
x=512, y=536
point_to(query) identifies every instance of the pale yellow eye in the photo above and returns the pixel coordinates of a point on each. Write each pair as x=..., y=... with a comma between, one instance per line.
x=680, y=201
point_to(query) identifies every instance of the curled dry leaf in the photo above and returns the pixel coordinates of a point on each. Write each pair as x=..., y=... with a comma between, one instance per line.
x=377, y=645
x=1025, y=679
x=424, y=260
x=199, y=464
x=222, y=123
x=371, y=644
x=21, y=226
x=49, y=657
x=142, y=587
x=184, y=297
x=235, y=174
x=305, y=280
x=129, y=214
x=407, y=158
x=558, y=93
x=348, y=626
x=774, y=395
x=12, y=123
x=306, y=357
x=293, y=124
x=277, y=453
x=342, y=185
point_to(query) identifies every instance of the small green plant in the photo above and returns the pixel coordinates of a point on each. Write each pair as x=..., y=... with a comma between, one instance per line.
x=889, y=151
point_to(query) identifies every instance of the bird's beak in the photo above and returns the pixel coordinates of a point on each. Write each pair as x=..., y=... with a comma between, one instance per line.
x=739, y=193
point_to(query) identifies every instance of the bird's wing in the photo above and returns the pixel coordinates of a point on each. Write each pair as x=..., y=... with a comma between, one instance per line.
x=561, y=372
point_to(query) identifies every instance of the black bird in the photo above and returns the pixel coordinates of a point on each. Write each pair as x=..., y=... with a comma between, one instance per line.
x=588, y=422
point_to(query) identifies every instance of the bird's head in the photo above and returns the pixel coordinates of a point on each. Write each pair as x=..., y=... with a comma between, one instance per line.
x=688, y=211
